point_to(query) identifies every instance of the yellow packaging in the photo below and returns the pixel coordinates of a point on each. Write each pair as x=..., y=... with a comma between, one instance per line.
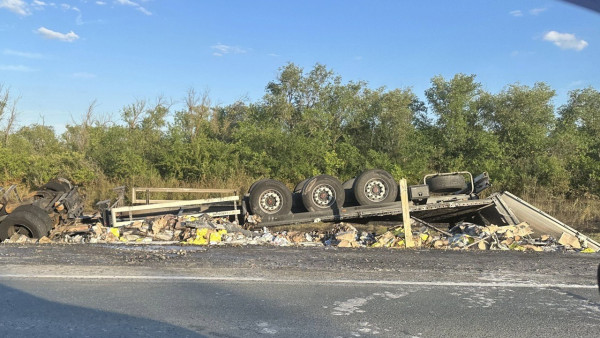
x=116, y=232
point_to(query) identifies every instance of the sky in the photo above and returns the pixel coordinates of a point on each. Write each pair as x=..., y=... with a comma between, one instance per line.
x=57, y=57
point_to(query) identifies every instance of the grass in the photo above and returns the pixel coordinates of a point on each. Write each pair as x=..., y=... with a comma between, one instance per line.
x=581, y=213
x=594, y=235
x=102, y=188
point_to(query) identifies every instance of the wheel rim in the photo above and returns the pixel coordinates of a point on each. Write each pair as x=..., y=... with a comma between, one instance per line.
x=324, y=196
x=270, y=201
x=19, y=229
x=375, y=190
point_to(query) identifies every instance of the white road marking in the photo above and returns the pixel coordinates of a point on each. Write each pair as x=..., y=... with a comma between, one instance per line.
x=532, y=285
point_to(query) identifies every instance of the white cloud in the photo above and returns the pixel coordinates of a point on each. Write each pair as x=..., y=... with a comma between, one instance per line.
x=52, y=35
x=143, y=10
x=516, y=12
x=22, y=54
x=134, y=5
x=16, y=6
x=83, y=75
x=221, y=49
x=100, y=3
x=536, y=11
x=533, y=11
x=19, y=68
x=565, y=40
x=38, y=5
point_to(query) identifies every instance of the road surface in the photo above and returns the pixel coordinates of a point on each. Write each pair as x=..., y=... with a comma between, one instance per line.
x=100, y=291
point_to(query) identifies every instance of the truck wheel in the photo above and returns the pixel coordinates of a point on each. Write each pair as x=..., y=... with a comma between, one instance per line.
x=255, y=183
x=323, y=192
x=349, y=192
x=299, y=186
x=39, y=212
x=25, y=221
x=270, y=197
x=446, y=183
x=375, y=186
x=297, y=203
x=56, y=185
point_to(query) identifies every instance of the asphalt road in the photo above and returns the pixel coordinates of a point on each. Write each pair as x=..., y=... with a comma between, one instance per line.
x=108, y=291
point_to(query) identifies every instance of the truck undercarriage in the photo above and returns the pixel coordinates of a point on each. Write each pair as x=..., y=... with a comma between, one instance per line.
x=35, y=215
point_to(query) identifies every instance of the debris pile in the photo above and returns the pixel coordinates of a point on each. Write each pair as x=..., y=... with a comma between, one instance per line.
x=492, y=237
x=206, y=230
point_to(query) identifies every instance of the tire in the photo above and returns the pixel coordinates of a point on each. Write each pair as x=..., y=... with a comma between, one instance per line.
x=349, y=184
x=349, y=192
x=56, y=185
x=446, y=183
x=299, y=186
x=39, y=212
x=255, y=183
x=27, y=221
x=297, y=203
x=270, y=198
x=323, y=192
x=598, y=277
x=375, y=186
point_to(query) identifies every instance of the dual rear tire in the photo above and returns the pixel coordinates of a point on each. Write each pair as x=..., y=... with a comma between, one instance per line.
x=28, y=220
x=321, y=192
x=268, y=197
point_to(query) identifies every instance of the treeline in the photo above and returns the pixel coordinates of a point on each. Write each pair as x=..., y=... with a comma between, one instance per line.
x=312, y=122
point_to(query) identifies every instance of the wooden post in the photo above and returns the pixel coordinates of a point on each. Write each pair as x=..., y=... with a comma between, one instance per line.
x=408, y=238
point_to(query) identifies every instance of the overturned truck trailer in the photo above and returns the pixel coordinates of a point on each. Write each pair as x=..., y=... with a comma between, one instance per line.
x=445, y=198
x=441, y=199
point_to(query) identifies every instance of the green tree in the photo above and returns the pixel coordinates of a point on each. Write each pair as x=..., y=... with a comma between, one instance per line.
x=522, y=118
x=577, y=139
x=457, y=131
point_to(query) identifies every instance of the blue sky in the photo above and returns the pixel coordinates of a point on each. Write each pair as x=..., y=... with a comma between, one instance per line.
x=59, y=56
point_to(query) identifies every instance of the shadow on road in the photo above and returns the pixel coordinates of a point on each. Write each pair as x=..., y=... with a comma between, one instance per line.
x=25, y=315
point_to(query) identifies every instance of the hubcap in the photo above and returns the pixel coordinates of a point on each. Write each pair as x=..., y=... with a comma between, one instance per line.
x=324, y=196
x=375, y=190
x=270, y=201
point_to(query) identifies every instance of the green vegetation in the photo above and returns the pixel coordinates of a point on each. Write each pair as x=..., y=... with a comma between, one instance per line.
x=311, y=122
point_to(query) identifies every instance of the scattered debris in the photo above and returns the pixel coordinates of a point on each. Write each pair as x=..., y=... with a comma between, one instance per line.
x=205, y=230
x=570, y=240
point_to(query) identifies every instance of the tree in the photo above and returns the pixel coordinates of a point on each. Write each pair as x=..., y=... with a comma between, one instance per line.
x=8, y=111
x=458, y=130
x=577, y=139
x=77, y=135
x=522, y=118
x=195, y=119
x=133, y=113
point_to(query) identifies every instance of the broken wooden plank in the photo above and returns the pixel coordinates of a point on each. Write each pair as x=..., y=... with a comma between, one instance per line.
x=406, y=214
